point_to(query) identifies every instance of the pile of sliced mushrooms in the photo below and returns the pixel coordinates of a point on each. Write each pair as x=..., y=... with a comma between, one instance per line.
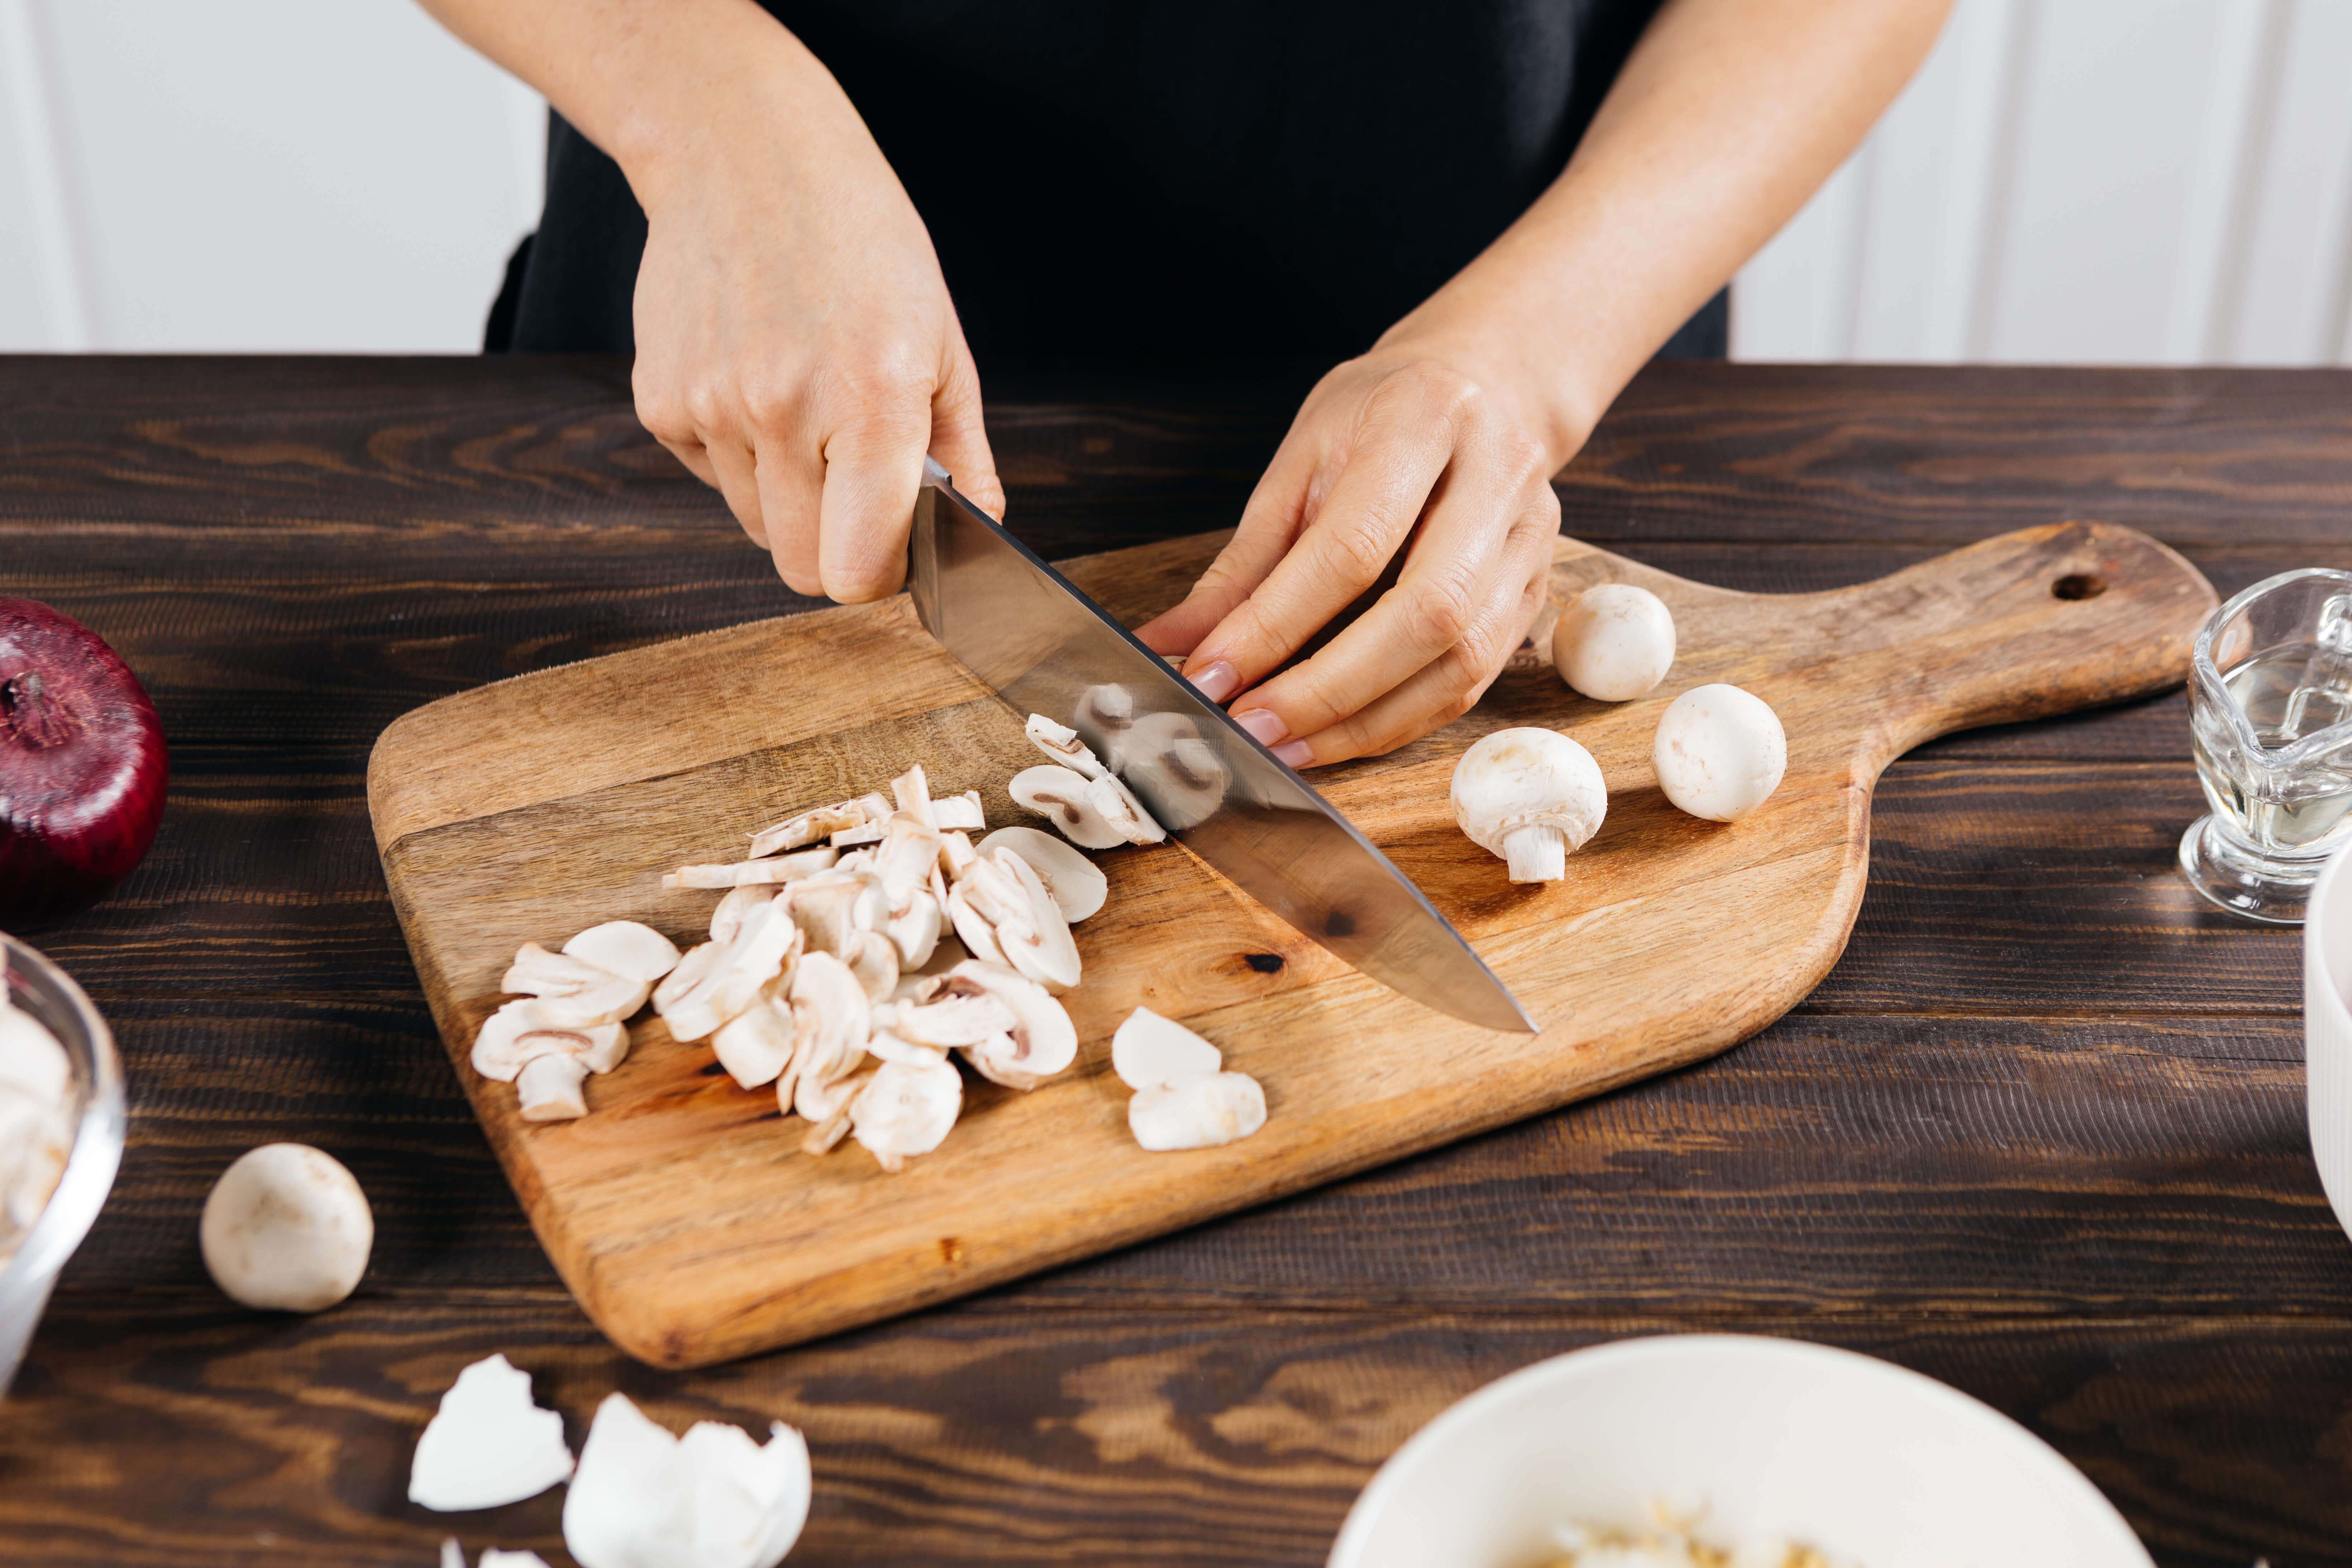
x=858, y=949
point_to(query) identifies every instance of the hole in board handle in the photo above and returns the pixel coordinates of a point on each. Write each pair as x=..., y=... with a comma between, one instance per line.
x=2078, y=585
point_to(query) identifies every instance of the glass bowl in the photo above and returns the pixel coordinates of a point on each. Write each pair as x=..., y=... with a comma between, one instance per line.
x=45, y=991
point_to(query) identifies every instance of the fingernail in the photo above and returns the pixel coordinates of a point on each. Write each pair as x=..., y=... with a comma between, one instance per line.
x=1216, y=682
x=1264, y=726
x=1294, y=755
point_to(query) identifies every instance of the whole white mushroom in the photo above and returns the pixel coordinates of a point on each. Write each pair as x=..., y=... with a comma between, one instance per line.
x=1530, y=797
x=1615, y=643
x=287, y=1228
x=1720, y=752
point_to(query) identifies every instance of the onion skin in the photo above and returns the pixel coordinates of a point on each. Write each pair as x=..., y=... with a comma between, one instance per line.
x=82, y=766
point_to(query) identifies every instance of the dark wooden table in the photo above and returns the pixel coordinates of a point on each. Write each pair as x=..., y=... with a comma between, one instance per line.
x=2041, y=1134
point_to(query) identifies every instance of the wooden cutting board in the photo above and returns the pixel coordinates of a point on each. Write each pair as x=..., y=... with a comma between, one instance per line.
x=681, y=1212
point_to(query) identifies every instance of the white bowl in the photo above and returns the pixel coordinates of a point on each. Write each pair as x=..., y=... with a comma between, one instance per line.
x=2327, y=1028
x=1871, y=1465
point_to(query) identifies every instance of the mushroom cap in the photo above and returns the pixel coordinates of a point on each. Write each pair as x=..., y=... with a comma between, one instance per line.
x=1720, y=752
x=1061, y=797
x=626, y=948
x=488, y=1445
x=1616, y=642
x=1528, y=778
x=1196, y=1110
x=286, y=1228
x=1076, y=883
x=1149, y=1050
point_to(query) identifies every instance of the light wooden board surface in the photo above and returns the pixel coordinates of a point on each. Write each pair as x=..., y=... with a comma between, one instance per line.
x=682, y=1214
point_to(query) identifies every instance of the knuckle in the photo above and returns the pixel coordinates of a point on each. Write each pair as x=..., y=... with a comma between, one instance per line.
x=768, y=403
x=1521, y=457
x=1359, y=551
x=706, y=402
x=1440, y=612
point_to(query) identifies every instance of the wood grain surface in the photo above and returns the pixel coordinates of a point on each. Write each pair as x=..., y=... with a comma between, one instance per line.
x=2039, y=1133
x=682, y=1213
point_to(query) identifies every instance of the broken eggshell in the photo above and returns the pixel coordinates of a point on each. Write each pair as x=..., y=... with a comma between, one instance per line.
x=714, y=1498
x=488, y=1445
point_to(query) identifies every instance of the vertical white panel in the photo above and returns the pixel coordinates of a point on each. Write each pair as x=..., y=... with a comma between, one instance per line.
x=44, y=292
x=2293, y=287
x=2114, y=102
x=2223, y=174
x=1796, y=296
x=287, y=174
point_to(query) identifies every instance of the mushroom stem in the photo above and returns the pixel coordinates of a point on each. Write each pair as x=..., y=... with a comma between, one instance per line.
x=1537, y=854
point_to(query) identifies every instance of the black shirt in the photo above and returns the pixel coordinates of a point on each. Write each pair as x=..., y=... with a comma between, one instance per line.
x=1159, y=181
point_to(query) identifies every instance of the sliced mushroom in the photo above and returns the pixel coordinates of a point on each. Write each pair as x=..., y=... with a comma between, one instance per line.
x=956, y=853
x=833, y=908
x=1038, y=939
x=750, y=873
x=572, y=991
x=726, y=919
x=520, y=1031
x=833, y=1019
x=1061, y=742
x=626, y=948
x=905, y=860
x=960, y=811
x=916, y=933
x=549, y=1087
x=874, y=960
x=798, y=832
x=887, y=1047
x=949, y=952
x=864, y=833
x=718, y=982
x=1119, y=807
x=913, y=791
x=756, y=1046
x=972, y=928
x=906, y=1110
x=1065, y=798
x=1181, y=772
x=1041, y=1041
x=1076, y=883
x=1197, y=1110
x=1148, y=1051
x=952, y=1019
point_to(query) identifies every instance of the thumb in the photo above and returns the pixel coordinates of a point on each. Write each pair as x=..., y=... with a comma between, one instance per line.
x=959, y=435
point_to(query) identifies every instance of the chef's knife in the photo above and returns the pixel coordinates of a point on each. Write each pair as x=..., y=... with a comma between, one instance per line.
x=1045, y=647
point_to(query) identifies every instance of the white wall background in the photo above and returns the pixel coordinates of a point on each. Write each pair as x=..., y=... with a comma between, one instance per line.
x=2115, y=181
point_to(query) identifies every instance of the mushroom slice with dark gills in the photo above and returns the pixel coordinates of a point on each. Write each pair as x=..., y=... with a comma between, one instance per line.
x=1041, y=1041
x=1061, y=797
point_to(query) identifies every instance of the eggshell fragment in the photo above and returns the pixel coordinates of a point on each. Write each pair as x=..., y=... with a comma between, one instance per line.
x=488, y=1445
x=1149, y=1050
x=1720, y=752
x=644, y=1499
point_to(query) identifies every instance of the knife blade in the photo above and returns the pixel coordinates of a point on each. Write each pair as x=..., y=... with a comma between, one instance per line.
x=1045, y=647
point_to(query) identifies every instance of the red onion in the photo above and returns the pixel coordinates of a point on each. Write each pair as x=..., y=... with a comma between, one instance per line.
x=82, y=766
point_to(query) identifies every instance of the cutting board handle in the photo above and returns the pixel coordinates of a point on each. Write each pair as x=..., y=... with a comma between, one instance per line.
x=2024, y=625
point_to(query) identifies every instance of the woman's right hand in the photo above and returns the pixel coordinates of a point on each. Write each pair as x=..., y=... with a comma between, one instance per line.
x=796, y=346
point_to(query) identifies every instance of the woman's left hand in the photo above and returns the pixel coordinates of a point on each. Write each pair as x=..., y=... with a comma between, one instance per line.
x=1409, y=449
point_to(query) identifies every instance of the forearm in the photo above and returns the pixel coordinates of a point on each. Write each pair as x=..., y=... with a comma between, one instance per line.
x=659, y=85
x=1728, y=116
